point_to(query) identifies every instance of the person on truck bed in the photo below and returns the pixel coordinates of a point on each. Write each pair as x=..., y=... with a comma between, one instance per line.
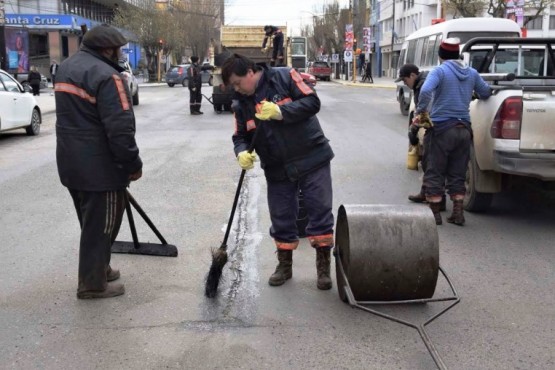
x=275, y=34
x=448, y=141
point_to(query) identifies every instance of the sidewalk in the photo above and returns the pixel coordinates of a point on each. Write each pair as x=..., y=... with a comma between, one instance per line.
x=379, y=82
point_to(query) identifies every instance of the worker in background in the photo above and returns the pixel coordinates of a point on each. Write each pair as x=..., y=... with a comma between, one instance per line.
x=452, y=85
x=276, y=104
x=276, y=36
x=413, y=78
x=195, y=84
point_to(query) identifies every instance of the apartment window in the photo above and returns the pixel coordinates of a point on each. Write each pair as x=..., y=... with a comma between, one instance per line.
x=552, y=22
x=534, y=24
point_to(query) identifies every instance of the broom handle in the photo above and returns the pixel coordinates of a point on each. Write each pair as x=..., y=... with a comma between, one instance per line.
x=237, y=193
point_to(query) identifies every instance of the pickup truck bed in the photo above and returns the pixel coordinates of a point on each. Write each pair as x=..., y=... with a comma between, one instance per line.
x=514, y=130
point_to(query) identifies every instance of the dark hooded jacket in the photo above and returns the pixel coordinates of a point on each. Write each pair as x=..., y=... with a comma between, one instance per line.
x=288, y=148
x=95, y=126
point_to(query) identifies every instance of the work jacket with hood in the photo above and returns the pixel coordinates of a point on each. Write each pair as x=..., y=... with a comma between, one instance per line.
x=95, y=126
x=288, y=148
x=451, y=85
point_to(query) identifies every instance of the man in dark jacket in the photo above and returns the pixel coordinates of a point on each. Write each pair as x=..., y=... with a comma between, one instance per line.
x=275, y=113
x=96, y=152
x=414, y=79
x=34, y=80
x=195, y=84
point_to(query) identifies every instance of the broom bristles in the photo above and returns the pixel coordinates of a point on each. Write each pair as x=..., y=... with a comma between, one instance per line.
x=219, y=259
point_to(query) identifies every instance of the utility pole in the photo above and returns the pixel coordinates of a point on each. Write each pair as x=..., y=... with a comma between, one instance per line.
x=392, y=39
x=351, y=19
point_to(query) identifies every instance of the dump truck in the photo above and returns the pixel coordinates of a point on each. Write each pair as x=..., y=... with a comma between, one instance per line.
x=244, y=40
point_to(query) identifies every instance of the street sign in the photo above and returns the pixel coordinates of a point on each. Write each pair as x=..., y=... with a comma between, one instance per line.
x=335, y=58
x=348, y=56
x=162, y=58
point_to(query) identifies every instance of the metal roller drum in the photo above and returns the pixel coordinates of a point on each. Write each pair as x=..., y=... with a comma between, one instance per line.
x=388, y=252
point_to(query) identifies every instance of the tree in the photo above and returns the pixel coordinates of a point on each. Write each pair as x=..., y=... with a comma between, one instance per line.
x=495, y=8
x=328, y=29
x=179, y=29
x=465, y=8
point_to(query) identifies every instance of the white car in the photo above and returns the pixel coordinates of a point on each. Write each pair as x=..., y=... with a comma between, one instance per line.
x=131, y=80
x=18, y=108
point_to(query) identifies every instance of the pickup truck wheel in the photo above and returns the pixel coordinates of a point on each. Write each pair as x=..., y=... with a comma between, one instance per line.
x=475, y=201
x=403, y=105
x=136, y=98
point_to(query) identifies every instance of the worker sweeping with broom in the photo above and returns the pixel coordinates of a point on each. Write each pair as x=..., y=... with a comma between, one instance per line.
x=275, y=114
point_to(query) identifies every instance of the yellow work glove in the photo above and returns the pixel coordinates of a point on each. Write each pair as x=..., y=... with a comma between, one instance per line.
x=423, y=120
x=246, y=160
x=267, y=111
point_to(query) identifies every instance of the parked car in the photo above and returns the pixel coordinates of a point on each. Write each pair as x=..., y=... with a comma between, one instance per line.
x=321, y=70
x=18, y=108
x=131, y=80
x=178, y=75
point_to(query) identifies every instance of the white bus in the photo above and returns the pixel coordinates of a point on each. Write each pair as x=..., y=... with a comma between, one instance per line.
x=420, y=48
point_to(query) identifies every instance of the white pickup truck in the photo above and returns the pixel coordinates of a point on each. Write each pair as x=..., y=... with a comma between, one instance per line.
x=514, y=130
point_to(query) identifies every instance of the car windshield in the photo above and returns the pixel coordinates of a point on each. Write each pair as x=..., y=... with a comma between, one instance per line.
x=320, y=64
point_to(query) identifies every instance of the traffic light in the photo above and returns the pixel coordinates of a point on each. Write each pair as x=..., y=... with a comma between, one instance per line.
x=161, y=43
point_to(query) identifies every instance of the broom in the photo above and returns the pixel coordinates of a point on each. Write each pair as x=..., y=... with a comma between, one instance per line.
x=219, y=256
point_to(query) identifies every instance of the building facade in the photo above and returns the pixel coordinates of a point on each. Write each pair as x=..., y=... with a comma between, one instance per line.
x=393, y=20
x=53, y=29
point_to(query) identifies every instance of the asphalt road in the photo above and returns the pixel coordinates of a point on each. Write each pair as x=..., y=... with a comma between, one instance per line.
x=501, y=262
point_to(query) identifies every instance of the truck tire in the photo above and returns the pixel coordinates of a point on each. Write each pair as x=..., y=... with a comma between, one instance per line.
x=475, y=201
x=403, y=105
x=136, y=98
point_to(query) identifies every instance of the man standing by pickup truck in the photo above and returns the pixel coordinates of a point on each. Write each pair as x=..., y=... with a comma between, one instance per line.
x=448, y=142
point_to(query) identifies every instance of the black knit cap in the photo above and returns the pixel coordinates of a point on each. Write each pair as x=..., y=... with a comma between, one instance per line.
x=406, y=70
x=104, y=37
x=449, y=49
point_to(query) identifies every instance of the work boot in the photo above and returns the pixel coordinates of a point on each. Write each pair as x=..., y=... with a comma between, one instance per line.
x=323, y=268
x=457, y=217
x=284, y=269
x=112, y=274
x=418, y=198
x=195, y=113
x=112, y=290
x=436, y=208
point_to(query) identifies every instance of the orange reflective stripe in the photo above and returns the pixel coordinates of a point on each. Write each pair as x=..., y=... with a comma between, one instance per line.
x=321, y=240
x=283, y=246
x=251, y=125
x=300, y=82
x=121, y=92
x=284, y=101
x=72, y=89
